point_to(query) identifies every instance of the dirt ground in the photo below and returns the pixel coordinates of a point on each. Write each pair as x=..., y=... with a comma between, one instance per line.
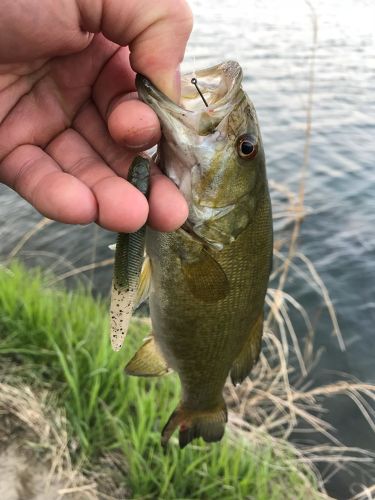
x=21, y=479
x=34, y=454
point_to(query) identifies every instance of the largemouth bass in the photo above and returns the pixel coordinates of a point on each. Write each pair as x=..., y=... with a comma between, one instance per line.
x=207, y=281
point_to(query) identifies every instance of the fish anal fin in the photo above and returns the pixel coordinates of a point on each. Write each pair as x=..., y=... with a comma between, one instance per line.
x=148, y=361
x=249, y=355
x=208, y=424
x=205, y=278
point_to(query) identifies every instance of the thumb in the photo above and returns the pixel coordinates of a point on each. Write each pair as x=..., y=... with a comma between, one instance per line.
x=156, y=32
x=158, y=51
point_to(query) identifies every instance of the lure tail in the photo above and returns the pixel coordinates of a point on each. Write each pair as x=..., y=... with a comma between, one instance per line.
x=208, y=424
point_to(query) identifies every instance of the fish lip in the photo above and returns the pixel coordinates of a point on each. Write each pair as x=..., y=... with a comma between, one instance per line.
x=147, y=91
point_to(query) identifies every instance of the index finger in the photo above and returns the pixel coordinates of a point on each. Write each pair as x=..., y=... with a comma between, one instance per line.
x=156, y=33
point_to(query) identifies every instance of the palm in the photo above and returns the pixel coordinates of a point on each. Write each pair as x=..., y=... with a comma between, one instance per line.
x=47, y=96
x=55, y=146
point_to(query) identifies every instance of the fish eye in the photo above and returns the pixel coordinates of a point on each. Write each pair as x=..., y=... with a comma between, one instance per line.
x=247, y=146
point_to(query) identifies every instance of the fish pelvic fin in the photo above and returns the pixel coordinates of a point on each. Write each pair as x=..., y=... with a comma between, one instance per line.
x=207, y=424
x=249, y=355
x=148, y=361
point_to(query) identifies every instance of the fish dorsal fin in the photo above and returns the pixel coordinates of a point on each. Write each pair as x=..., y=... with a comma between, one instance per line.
x=249, y=355
x=148, y=361
x=205, y=277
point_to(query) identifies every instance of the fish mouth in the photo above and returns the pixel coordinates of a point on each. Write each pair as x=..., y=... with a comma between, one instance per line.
x=219, y=86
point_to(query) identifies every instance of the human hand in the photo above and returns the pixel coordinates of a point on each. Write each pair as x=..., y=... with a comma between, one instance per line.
x=70, y=121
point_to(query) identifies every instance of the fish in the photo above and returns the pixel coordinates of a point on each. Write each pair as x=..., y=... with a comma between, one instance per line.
x=207, y=281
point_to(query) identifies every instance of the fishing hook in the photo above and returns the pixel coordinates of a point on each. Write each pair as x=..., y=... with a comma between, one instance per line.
x=194, y=81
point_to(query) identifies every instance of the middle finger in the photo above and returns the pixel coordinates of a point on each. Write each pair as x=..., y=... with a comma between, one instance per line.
x=121, y=207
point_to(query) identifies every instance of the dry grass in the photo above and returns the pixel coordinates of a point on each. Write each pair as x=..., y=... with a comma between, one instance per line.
x=35, y=461
x=41, y=224
x=269, y=404
x=365, y=493
x=39, y=448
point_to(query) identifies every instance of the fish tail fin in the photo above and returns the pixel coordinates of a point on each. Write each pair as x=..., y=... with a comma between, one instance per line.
x=208, y=424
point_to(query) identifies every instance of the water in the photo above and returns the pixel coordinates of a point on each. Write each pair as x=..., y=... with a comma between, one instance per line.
x=273, y=41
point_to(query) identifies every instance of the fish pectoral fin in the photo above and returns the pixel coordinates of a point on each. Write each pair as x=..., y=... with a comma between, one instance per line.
x=144, y=284
x=208, y=424
x=148, y=361
x=205, y=278
x=249, y=355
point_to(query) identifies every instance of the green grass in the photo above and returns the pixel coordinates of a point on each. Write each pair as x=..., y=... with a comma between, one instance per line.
x=59, y=339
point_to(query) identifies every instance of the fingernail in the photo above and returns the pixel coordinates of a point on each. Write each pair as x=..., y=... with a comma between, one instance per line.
x=137, y=146
x=172, y=86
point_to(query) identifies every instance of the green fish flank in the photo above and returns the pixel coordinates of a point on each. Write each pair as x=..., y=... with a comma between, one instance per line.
x=208, y=280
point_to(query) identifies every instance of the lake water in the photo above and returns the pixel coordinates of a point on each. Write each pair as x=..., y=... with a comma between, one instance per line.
x=273, y=41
